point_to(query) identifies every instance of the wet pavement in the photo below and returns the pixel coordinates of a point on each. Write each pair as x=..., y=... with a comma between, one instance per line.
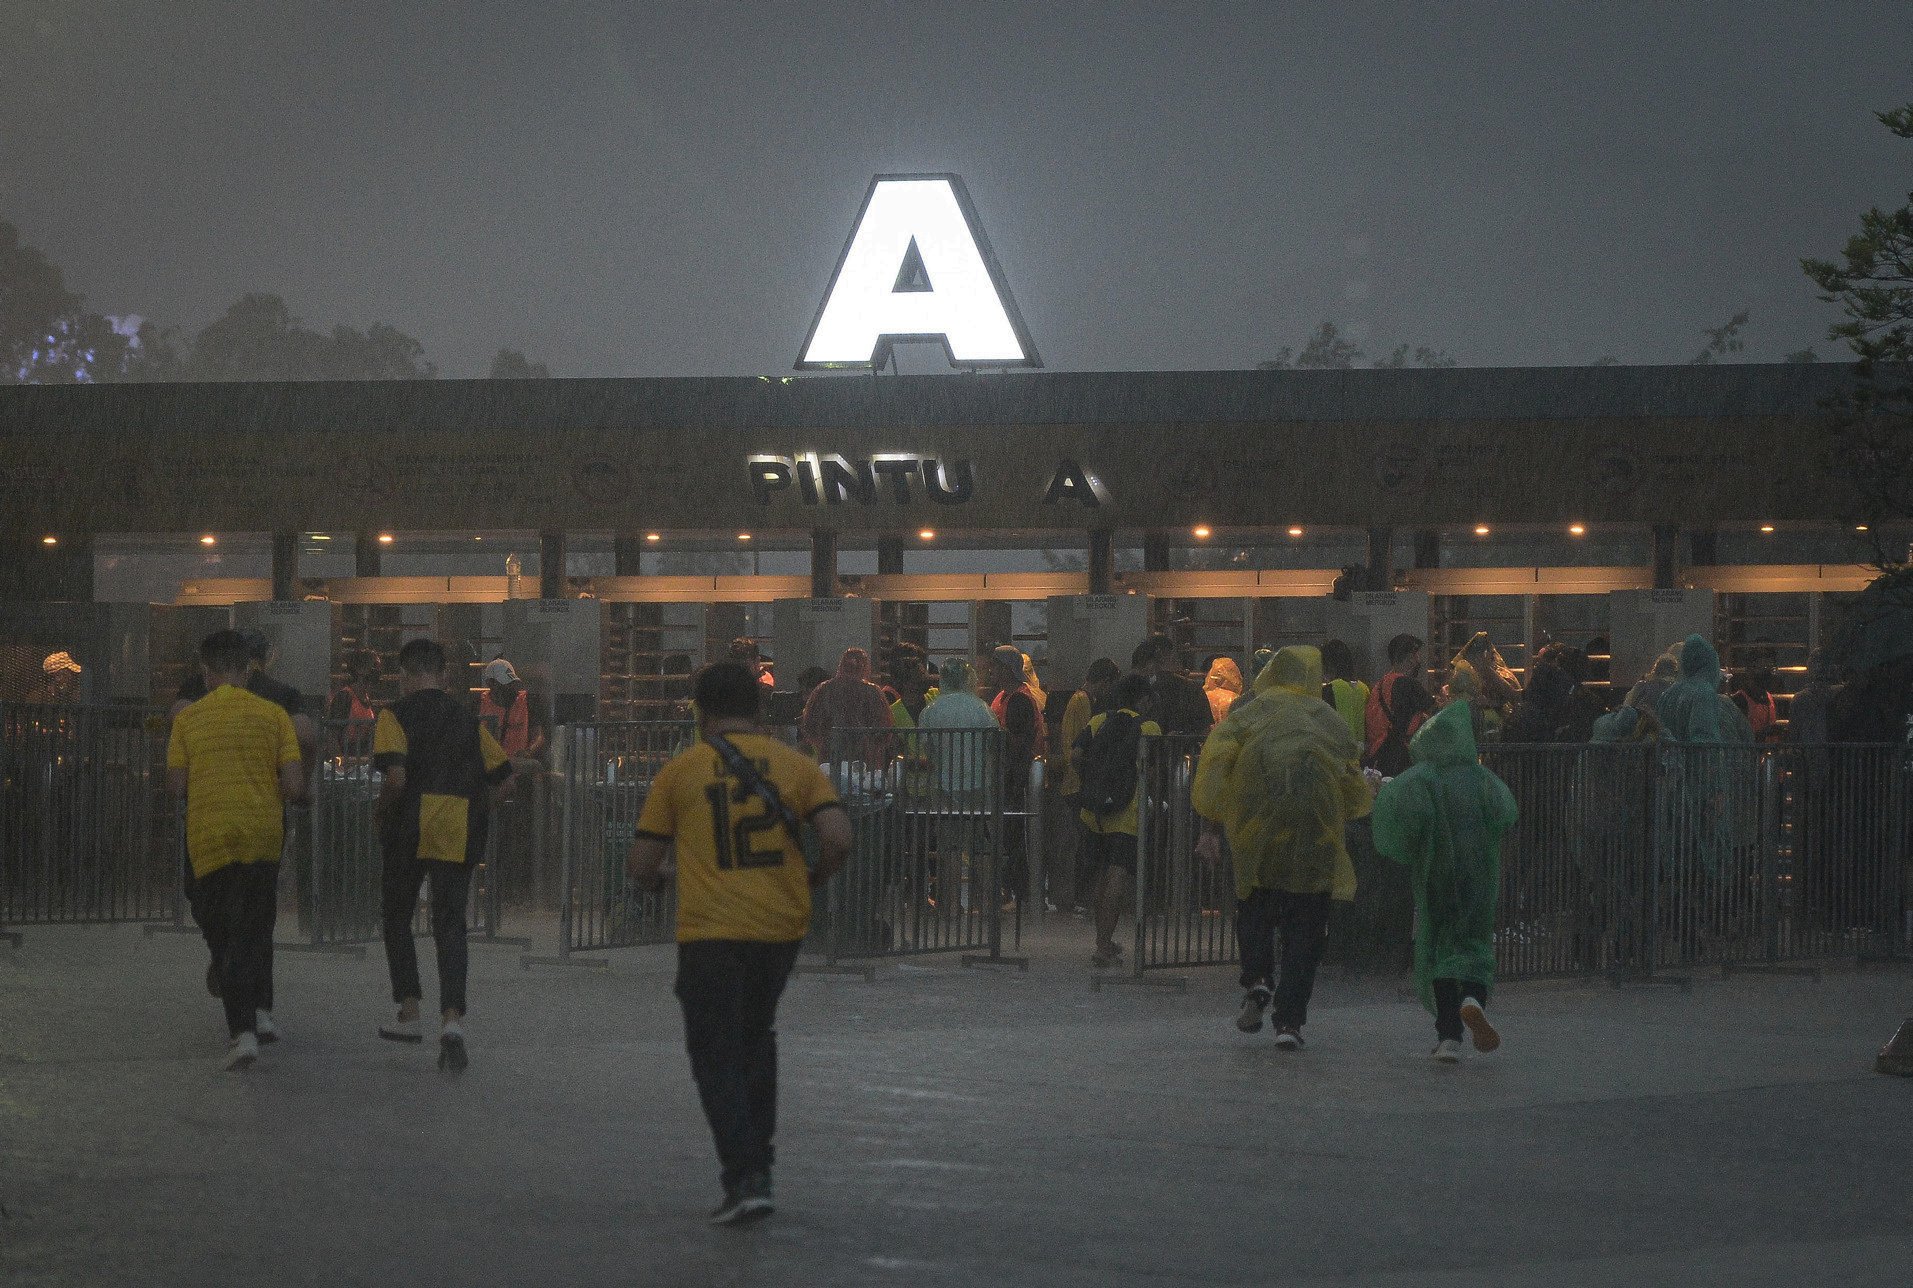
x=944, y=1126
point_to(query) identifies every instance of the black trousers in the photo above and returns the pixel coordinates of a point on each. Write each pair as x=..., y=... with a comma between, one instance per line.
x=1448, y=995
x=451, y=890
x=729, y=990
x=1302, y=920
x=210, y=931
x=236, y=907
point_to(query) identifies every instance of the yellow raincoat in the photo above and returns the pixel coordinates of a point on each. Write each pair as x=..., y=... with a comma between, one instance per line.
x=1283, y=777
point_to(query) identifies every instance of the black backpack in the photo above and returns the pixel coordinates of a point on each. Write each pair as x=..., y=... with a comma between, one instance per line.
x=1109, y=764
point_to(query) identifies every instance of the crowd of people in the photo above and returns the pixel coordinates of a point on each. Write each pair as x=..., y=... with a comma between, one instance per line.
x=1293, y=751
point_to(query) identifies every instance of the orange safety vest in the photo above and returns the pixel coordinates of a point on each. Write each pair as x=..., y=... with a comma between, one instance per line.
x=512, y=728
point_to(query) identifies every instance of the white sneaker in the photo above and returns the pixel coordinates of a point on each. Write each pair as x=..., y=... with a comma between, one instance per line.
x=451, y=1047
x=262, y=1025
x=243, y=1051
x=1447, y=1051
x=1480, y=1030
x=397, y=1030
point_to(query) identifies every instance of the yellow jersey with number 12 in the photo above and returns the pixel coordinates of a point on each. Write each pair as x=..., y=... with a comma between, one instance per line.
x=741, y=875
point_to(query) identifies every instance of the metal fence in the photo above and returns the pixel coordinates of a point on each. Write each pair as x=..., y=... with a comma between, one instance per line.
x=1185, y=907
x=603, y=772
x=85, y=828
x=1628, y=861
x=942, y=845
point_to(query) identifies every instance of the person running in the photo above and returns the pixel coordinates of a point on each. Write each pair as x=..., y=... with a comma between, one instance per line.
x=1282, y=777
x=234, y=758
x=440, y=765
x=733, y=807
x=1444, y=818
x=1104, y=761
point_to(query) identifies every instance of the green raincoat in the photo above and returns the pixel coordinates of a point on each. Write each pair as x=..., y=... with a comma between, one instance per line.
x=1282, y=775
x=1709, y=792
x=1445, y=818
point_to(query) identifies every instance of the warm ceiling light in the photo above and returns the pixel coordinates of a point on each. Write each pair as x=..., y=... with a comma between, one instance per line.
x=385, y=538
x=1295, y=532
x=1481, y=529
x=1767, y=528
x=653, y=536
x=1577, y=530
x=477, y=538
x=928, y=534
x=1202, y=532
x=209, y=540
x=49, y=540
x=743, y=536
x=1859, y=527
x=322, y=536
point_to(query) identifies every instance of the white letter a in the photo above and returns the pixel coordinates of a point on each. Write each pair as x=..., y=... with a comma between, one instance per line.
x=949, y=289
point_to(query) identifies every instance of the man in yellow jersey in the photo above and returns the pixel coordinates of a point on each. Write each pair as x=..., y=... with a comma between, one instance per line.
x=733, y=806
x=440, y=766
x=1105, y=760
x=234, y=757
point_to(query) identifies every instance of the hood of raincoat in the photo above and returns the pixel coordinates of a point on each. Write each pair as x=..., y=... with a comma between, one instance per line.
x=1447, y=739
x=1463, y=683
x=1700, y=662
x=853, y=665
x=1297, y=668
x=956, y=676
x=1224, y=674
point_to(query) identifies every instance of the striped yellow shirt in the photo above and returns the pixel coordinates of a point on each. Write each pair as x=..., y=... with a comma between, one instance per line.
x=231, y=744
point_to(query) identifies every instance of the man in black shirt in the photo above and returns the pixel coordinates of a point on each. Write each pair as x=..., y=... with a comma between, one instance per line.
x=1179, y=705
x=259, y=649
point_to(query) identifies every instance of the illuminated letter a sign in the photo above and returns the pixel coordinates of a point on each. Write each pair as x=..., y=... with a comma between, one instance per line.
x=917, y=267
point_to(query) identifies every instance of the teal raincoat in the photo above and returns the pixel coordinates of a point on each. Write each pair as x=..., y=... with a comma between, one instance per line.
x=1445, y=818
x=1708, y=802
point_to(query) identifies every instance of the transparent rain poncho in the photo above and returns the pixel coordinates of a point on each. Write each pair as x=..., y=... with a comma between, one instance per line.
x=1445, y=818
x=1282, y=775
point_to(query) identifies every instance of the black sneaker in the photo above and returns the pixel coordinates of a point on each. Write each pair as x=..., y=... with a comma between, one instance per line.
x=451, y=1048
x=1288, y=1037
x=749, y=1200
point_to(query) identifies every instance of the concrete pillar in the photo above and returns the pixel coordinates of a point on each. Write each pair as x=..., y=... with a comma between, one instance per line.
x=1427, y=548
x=551, y=565
x=823, y=566
x=1155, y=552
x=285, y=566
x=1381, y=559
x=30, y=569
x=627, y=548
x=1102, y=561
x=1667, y=558
x=889, y=556
x=366, y=554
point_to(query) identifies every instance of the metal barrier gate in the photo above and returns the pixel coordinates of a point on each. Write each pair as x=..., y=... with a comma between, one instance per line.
x=942, y=846
x=603, y=773
x=1627, y=861
x=85, y=828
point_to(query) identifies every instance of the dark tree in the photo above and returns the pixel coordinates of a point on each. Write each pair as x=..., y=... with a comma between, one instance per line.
x=1872, y=282
x=509, y=364
x=1328, y=349
x=257, y=338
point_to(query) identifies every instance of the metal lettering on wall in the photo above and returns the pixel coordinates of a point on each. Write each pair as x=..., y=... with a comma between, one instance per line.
x=829, y=478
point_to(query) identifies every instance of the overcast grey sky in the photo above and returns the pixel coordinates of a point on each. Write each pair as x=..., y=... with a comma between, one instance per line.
x=650, y=189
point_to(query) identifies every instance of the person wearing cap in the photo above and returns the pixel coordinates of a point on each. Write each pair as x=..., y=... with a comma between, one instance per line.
x=59, y=682
x=504, y=707
x=233, y=759
x=745, y=649
x=260, y=656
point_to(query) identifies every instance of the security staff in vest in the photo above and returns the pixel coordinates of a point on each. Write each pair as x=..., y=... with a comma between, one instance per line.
x=505, y=707
x=440, y=766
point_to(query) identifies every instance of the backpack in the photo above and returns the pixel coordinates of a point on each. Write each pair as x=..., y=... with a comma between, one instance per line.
x=1109, y=764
